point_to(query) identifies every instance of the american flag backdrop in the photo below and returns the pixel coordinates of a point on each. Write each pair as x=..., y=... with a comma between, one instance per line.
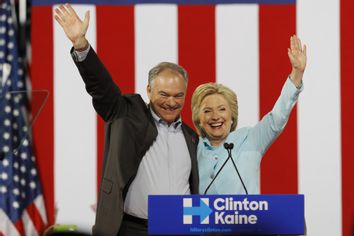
x=22, y=210
x=242, y=44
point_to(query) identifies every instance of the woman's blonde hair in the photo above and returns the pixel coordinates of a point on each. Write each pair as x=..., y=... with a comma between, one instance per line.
x=204, y=90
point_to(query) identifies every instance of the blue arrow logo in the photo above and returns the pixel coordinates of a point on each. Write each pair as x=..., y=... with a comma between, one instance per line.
x=203, y=211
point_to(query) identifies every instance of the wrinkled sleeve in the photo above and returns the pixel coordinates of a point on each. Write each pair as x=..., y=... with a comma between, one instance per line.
x=262, y=135
x=106, y=96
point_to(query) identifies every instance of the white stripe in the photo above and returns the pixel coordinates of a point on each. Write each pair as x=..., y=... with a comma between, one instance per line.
x=319, y=117
x=155, y=40
x=39, y=203
x=28, y=226
x=237, y=57
x=75, y=133
x=6, y=226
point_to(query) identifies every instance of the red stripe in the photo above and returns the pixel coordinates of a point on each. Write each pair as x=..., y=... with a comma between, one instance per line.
x=19, y=227
x=42, y=78
x=279, y=166
x=36, y=218
x=347, y=113
x=115, y=46
x=196, y=48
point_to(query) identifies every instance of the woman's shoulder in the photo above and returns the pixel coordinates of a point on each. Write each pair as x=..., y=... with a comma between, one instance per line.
x=238, y=135
x=240, y=132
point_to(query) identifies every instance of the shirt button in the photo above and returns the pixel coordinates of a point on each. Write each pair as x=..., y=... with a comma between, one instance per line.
x=216, y=158
x=212, y=176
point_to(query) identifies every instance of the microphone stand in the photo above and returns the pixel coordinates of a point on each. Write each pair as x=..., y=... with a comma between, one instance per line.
x=231, y=145
x=228, y=147
x=217, y=173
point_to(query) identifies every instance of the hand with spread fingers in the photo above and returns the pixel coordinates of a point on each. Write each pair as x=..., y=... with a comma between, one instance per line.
x=297, y=56
x=74, y=28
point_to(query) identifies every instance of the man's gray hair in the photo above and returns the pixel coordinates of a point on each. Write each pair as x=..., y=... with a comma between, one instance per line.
x=156, y=70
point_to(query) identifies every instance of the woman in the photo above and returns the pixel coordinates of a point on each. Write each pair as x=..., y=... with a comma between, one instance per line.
x=214, y=112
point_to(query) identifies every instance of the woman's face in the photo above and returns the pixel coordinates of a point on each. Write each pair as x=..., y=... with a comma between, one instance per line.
x=215, y=118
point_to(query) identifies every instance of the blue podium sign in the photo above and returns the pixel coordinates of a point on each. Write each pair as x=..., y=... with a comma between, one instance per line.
x=229, y=214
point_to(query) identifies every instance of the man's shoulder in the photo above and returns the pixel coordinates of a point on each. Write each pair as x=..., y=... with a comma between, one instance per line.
x=190, y=131
x=135, y=98
x=131, y=107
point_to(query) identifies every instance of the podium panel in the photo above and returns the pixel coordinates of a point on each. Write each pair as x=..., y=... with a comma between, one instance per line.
x=226, y=214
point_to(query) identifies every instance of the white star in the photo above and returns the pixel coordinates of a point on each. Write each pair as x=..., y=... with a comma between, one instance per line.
x=3, y=189
x=23, y=169
x=7, y=109
x=15, y=204
x=16, y=165
x=16, y=191
x=33, y=172
x=10, y=57
x=5, y=163
x=5, y=149
x=6, y=135
x=16, y=178
x=25, y=143
x=32, y=185
x=15, y=152
x=24, y=156
x=10, y=45
x=16, y=112
x=7, y=122
x=4, y=176
x=17, y=98
x=19, y=83
x=23, y=182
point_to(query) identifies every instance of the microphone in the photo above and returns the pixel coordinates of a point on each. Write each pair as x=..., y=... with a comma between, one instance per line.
x=228, y=147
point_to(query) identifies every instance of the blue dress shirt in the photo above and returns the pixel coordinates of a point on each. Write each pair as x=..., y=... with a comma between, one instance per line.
x=250, y=144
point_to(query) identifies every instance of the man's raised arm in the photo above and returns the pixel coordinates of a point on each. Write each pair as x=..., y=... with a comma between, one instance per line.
x=74, y=28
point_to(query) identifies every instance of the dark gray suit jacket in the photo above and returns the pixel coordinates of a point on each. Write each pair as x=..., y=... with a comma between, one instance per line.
x=130, y=131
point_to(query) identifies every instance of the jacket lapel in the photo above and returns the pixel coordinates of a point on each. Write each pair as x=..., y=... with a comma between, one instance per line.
x=192, y=142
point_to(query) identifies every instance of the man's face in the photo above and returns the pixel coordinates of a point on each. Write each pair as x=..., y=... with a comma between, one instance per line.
x=167, y=93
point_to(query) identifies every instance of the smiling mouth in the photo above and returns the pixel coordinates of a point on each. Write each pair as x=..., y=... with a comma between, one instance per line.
x=216, y=125
x=170, y=109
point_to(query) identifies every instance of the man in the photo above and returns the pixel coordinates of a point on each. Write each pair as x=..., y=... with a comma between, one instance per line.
x=148, y=150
